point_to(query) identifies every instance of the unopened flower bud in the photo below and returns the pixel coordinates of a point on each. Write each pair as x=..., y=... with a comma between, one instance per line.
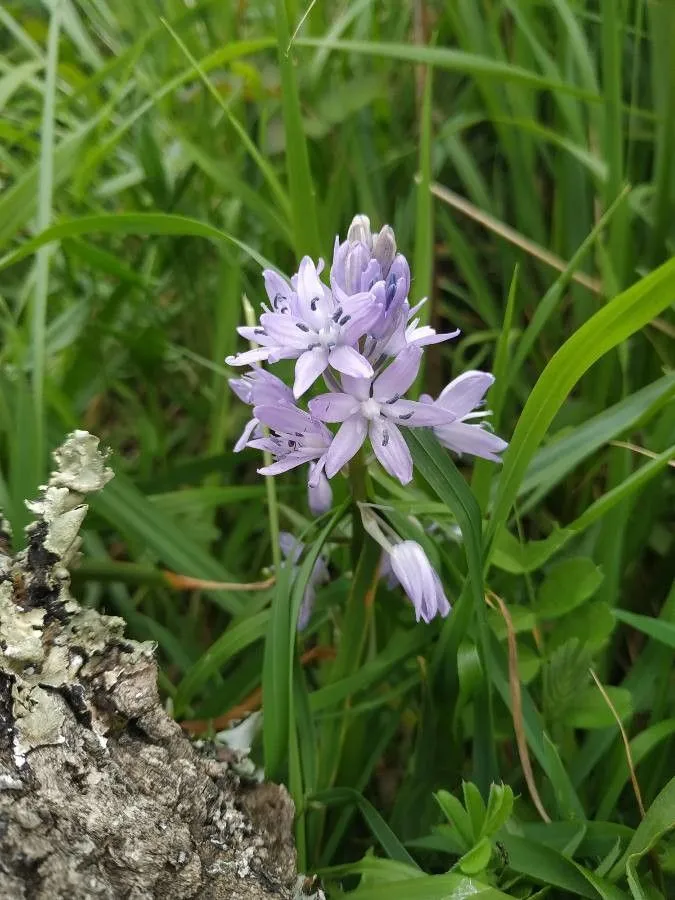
x=358, y=257
x=359, y=230
x=384, y=248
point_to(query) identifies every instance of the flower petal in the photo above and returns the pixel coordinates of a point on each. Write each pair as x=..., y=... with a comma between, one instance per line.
x=350, y=362
x=308, y=368
x=266, y=444
x=278, y=290
x=333, y=407
x=442, y=605
x=319, y=493
x=287, y=331
x=359, y=230
x=285, y=419
x=315, y=302
x=419, y=580
x=346, y=443
x=425, y=335
x=391, y=450
x=465, y=392
x=255, y=334
x=398, y=376
x=245, y=436
x=357, y=387
x=248, y=357
x=242, y=387
x=416, y=415
x=306, y=607
x=472, y=439
x=290, y=461
x=361, y=320
x=291, y=547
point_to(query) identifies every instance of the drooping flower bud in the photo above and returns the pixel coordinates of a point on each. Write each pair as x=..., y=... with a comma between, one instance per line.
x=419, y=580
x=319, y=492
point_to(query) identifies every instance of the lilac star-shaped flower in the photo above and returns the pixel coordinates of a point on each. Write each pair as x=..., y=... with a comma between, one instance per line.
x=258, y=387
x=375, y=408
x=464, y=434
x=318, y=327
x=297, y=438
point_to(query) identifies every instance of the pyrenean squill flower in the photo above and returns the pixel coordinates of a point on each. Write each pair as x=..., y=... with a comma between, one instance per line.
x=316, y=328
x=465, y=434
x=375, y=408
x=296, y=438
x=256, y=388
x=361, y=336
x=292, y=549
x=402, y=330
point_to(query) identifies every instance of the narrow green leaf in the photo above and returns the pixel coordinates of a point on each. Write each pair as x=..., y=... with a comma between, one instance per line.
x=663, y=632
x=621, y=317
x=378, y=827
x=130, y=223
x=280, y=649
x=44, y=215
x=132, y=514
x=640, y=747
x=233, y=640
x=451, y=60
x=659, y=820
x=545, y=866
x=300, y=182
x=438, y=470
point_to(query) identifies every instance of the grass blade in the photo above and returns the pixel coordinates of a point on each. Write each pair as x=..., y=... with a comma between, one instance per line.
x=301, y=185
x=623, y=316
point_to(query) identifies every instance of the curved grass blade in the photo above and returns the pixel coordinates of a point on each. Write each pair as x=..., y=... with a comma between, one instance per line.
x=622, y=317
x=130, y=223
x=300, y=184
x=440, y=473
x=127, y=509
x=232, y=641
x=451, y=60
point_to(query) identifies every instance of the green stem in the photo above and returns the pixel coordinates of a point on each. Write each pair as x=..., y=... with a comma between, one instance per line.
x=357, y=480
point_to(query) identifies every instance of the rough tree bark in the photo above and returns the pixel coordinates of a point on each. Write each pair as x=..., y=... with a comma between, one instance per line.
x=101, y=795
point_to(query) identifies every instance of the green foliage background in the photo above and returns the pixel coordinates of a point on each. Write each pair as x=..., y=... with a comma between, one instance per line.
x=153, y=156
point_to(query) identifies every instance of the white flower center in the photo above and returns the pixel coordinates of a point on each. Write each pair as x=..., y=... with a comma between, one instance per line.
x=329, y=335
x=370, y=409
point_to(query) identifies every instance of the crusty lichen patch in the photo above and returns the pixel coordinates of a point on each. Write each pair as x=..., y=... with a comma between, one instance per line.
x=100, y=793
x=35, y=592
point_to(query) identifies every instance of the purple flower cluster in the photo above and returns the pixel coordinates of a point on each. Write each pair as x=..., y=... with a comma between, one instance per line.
x=361, y=336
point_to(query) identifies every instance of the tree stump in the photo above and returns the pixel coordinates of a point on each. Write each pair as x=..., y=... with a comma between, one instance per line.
x=101, y=794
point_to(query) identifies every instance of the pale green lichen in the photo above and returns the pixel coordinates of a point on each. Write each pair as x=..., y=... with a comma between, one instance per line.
x=81, y=465
x=38, y=658
x=38, y=719
x=20, y=632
